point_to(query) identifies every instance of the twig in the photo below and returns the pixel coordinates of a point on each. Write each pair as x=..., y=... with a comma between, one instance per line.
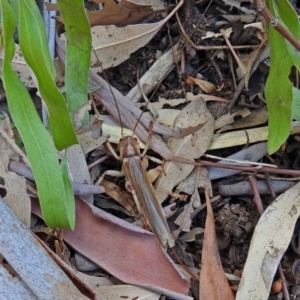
x=249, y=169
x=264, y=11
x=256, y=196
x=240, y=161
x=237, y=59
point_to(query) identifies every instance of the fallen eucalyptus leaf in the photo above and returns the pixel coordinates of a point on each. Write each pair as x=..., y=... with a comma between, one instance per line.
x=113, y=45
x=213, y=283
x=272, y=236
x=191, y=147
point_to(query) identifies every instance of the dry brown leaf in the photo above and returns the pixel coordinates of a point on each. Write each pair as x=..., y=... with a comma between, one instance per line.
x=206, y=86
x=16, y=194
x=190, y=147
x=122, y=14
x=123, y=250
x=213, y=283
x=121, y=196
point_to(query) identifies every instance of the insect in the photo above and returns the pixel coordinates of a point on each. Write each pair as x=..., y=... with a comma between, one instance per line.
x=139, y=184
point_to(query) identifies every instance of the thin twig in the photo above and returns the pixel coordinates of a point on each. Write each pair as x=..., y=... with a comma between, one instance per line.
x=256, y=196
x=249, y=169
x=239, y=161
x=264, y=11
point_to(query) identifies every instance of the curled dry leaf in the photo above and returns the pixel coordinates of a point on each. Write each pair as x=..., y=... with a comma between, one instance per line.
x=113, y=45
x=190, y=147
x=270, y=240
x=206, y=86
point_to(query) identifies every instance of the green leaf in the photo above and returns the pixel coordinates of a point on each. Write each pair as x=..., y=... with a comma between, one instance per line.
x=33, y=43
x=78, y=56
x=278, y=90
x=55, y=201
x=70, y=204
x=296, y=104
x=289, y=19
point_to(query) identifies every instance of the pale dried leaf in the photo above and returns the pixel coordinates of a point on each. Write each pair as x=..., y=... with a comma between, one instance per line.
x=93, y=281
x=79, y=114
x=228, y=31
x=191, y=235
x=229, y=118
x=188, y=185
x=127, y=292
x=244, y=137
x=23, y=71
x=90, y=136
x=199, y=179
x=156, y=73
x=165, y=117
x=213, y=283
x=113, y=45
x=257, y=117
x=270, y=240
x=206, y=86
x=183, y=220
x=190, y=147
x=16, y=194
x=32, y=263
x=78, y=168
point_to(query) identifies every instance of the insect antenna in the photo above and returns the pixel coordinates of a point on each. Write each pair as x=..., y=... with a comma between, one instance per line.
x=145, y=98
x=111, y=90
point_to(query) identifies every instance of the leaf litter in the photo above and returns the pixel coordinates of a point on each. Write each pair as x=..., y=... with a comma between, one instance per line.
x=234, y=214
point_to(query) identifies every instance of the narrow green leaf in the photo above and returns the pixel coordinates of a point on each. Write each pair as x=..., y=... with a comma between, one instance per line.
x=289, y=19
x=33, y=43
x=69, y=203
x=278, y=90
x=38, y=144
x=296, y=104
x=79, y=44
